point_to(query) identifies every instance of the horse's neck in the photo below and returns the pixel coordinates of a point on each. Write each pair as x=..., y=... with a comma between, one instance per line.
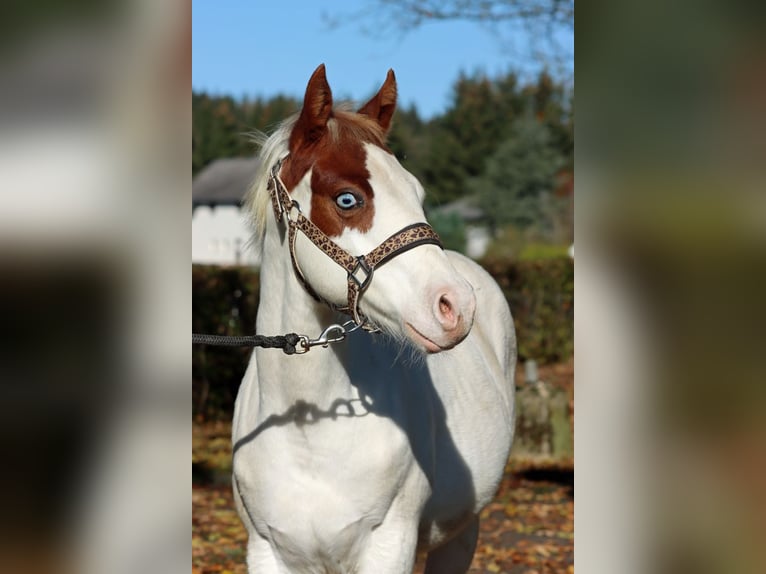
x=285, y=307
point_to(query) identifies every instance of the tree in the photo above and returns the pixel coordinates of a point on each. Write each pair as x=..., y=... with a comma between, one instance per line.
x=408, y=139
x=517, y=185
x=467, y=134
x=540, y=18
x=216, y=128
x=480, y=117
x=410, y=14
x=553, y=106
x=220, y=124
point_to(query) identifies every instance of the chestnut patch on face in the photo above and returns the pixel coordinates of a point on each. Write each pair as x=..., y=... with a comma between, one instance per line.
x=341, y=172
x=338, y=163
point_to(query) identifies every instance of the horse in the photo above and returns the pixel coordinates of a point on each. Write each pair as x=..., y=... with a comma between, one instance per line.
x=359, y=456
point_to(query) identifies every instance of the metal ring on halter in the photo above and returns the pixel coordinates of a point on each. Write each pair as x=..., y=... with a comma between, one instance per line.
x=361, y=264
x=350, y=326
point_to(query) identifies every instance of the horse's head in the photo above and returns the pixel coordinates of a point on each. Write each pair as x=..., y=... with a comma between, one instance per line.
x=355, y=191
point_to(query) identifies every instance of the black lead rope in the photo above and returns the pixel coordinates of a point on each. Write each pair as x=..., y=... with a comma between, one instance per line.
x=285, y=342
x=291, y=344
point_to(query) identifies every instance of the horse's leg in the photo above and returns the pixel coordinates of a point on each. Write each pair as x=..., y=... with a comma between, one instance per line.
x=260, y=555
x=390, y=549
x=261, y=558
x=455, y=556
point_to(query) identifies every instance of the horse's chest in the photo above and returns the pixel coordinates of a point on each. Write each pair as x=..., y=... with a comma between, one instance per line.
x=324, y=485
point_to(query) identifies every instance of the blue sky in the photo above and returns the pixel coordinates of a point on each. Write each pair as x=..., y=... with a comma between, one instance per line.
x=263, y=48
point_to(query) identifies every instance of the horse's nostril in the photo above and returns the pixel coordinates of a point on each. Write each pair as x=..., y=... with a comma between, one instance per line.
x=445, y=306
x=446, y=312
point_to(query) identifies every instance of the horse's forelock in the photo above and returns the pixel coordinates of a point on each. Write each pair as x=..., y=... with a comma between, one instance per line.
x=346, y=125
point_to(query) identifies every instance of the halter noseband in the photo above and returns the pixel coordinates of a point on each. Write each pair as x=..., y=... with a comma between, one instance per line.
x=359, y=268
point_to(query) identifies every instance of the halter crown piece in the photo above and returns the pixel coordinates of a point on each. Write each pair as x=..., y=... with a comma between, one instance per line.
x=359, y=268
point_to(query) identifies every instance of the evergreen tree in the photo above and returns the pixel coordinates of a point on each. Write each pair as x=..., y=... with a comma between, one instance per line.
x=408, y=139
x=518, y=183
x=221, y=124
x=480, y=118
x=465, y=136
x=553, y=107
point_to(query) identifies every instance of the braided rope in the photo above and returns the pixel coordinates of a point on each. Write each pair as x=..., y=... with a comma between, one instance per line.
x=285, y=342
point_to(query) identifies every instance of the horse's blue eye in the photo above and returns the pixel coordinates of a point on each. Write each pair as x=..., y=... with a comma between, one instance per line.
x=346, y=200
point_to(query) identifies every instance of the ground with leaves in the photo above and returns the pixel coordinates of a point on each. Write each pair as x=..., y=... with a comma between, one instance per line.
x=528, y=528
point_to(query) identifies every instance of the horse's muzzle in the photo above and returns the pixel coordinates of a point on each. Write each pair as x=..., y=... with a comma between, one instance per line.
x=450, y=320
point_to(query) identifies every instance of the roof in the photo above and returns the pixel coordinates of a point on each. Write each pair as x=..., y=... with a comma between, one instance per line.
x=224, y=181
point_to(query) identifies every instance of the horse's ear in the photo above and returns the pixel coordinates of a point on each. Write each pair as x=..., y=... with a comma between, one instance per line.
x=317, y=109
x=382, y=106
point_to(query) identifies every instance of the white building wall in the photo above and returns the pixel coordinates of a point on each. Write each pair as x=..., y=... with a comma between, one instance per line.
x=477, y=241
x=221, y=236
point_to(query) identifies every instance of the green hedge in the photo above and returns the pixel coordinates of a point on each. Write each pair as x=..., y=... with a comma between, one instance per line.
x=225, y=299
x=541, y=297
x=224, y=302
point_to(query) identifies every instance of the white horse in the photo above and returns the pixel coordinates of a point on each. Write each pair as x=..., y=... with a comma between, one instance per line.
x=354, y=457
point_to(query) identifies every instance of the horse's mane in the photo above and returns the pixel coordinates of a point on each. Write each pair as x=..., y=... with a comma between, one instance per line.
x=343, y=125
x=273, y=148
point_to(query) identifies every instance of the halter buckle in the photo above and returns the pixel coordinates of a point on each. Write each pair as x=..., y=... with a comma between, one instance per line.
x=278, y=193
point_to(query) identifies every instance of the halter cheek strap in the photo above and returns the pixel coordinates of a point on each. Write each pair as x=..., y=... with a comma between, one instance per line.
x=359, y=269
